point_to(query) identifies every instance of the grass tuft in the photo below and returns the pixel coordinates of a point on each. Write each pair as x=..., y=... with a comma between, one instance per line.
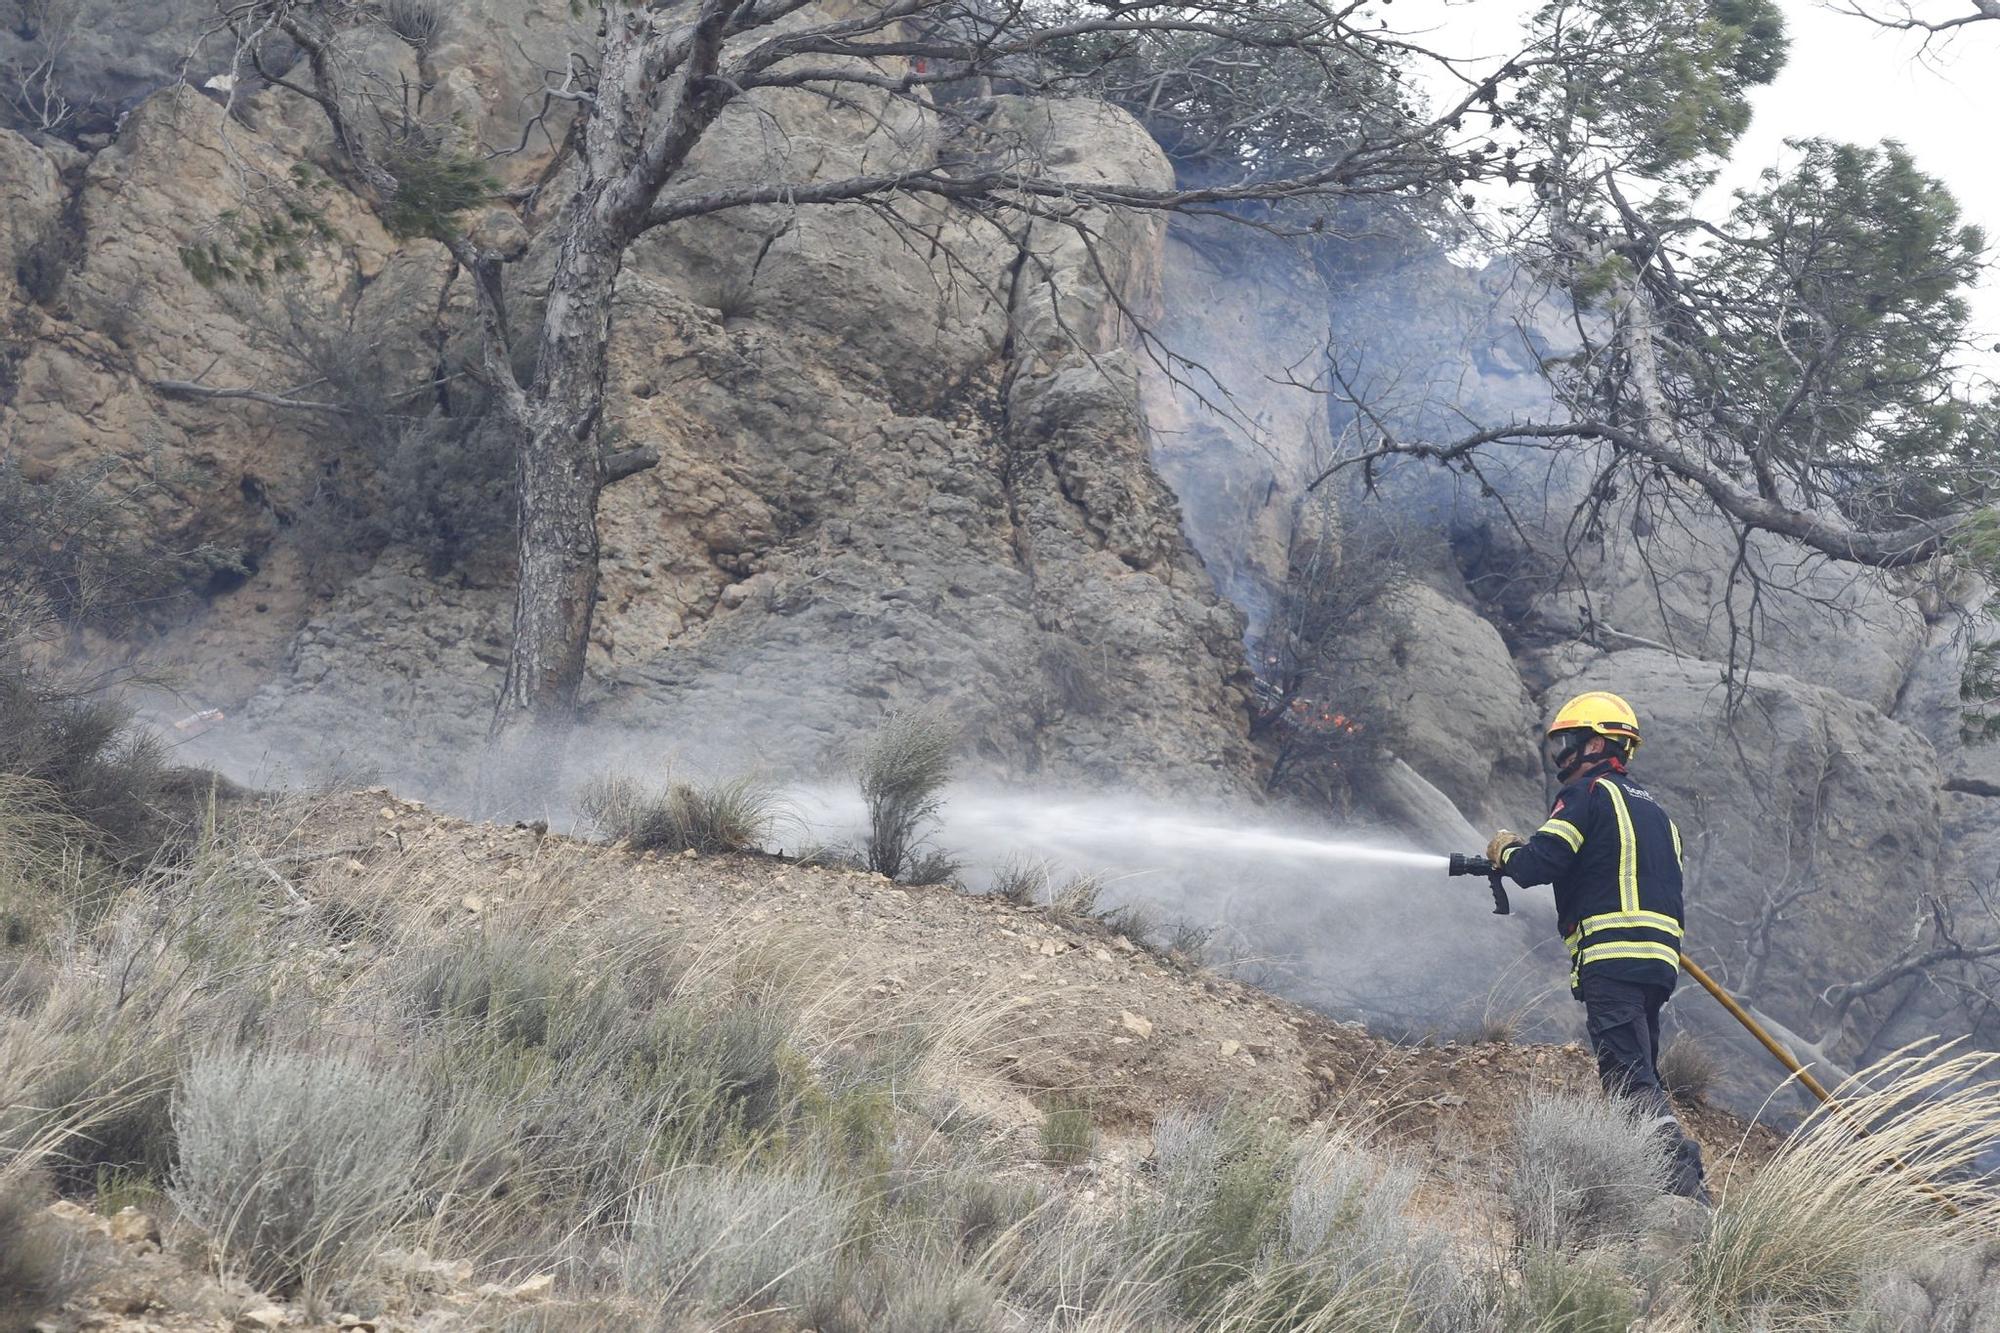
x=1688, y=1070
x=732, y=815
x=903, y=772
x=1069, y=1135
x=1798, y=1245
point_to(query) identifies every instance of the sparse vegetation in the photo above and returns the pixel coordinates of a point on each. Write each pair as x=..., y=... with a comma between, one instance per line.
x=1021, y=881
x=1069, y=1135
x=1077, y=899
x=40, y=1266
x=1187, y=941
x=418, y=22
x=727, y=815
x=688, y=1125
x=903, y=772
x=1688, y=1069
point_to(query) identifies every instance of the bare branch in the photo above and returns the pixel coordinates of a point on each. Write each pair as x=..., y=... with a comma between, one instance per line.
x=187, y=389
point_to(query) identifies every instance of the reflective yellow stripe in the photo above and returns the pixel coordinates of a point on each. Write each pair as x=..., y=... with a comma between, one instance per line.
x=1660, y=953
x=1614, y=920
x=1628, y=849
x=1679, y=859
x=1565, y=830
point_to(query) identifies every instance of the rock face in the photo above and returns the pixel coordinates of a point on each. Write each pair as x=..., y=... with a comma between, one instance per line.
x=904, y=462
x=1238, y=427
x=1463, y=718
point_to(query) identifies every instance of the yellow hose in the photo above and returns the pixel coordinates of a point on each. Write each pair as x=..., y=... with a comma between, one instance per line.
x=1755, y=1029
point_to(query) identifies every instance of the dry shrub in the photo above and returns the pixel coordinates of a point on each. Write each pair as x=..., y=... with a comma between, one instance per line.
x=730, y=1240
x=1797, y=1245
x=294, y=1164
x=734, y=815
x=1585, y=1171
x=1021, y=881
x=1688, y=1070
x=1077, y=899
x=108, y=782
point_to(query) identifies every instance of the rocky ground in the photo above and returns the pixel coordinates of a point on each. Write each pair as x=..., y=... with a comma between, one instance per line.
x=1059, y=1011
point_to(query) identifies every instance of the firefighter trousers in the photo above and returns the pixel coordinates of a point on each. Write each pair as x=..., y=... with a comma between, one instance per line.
x=1624, y=1024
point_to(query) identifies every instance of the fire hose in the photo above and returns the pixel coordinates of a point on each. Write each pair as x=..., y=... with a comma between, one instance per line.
x=1480, y=865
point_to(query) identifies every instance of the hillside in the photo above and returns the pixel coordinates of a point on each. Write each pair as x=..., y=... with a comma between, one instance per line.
x=1029, y=1016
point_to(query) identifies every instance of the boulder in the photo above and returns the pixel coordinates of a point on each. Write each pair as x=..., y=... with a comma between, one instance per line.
x=108, y=55
x=31, y=204
x=1454, y=704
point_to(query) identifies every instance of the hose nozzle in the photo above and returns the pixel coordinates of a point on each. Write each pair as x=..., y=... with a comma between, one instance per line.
x=1461, y=864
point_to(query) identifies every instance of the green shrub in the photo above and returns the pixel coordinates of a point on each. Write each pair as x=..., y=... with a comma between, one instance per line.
x=903, y=772
x=435, y=182
x=1570, y=1293
x=1224, y=1188
x=506, y=985
x=1068, y=1134
x=292, y=1164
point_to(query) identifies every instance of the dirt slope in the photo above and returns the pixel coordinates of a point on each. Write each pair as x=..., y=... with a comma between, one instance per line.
x=1055, y=1012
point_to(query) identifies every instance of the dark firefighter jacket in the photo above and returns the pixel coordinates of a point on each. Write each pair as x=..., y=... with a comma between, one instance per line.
x=1615, y=860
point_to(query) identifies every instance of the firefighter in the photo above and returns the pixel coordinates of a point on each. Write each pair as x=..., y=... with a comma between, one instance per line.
x=1614, y=858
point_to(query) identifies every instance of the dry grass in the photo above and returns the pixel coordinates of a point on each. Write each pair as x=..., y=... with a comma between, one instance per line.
x=728, y=815
x=1797, y=1245
x=1688, y=1070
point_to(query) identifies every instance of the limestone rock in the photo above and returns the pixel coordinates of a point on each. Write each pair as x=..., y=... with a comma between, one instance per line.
x=31, y=204
x=1461, y=717
x=1237, y=428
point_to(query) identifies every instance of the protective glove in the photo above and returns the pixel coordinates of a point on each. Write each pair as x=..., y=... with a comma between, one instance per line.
x=1497, y=848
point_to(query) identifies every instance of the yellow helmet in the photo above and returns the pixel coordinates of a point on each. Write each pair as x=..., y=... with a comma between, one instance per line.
x=1601, y=712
